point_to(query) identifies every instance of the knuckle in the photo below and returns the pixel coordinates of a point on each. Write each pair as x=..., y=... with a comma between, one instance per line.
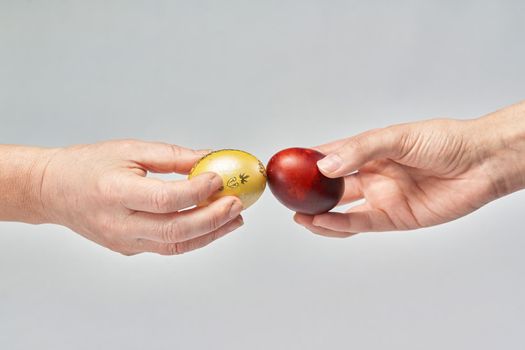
x=396, y=137
x=406, y=144
x=203, y=191
x=172, y=232
x=202, y=241
x=391, y=132
x=174, y=249
x=216, y=218
x=192, y=192
x=213, y=236
x=127, y=144
x=116, y=247
x=125, y=147
x=161, y=199
x=368, y=222
x=176, y=151
x=354, y=144
x=107, y=227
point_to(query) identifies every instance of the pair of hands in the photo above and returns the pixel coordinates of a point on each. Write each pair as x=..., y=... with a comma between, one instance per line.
x=410, y=176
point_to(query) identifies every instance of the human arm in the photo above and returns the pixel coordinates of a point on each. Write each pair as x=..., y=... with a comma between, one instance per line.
x=101, y=192
x=422, y=174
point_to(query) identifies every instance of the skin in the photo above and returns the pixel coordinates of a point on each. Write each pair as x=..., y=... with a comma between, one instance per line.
x=410, y=176
x=422, y=174
x=101, y=192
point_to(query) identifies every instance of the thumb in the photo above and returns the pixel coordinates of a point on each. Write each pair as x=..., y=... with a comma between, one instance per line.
x=363, y=148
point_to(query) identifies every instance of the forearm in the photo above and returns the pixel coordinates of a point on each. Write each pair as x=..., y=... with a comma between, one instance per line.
x=502, y=141
x=21, y=172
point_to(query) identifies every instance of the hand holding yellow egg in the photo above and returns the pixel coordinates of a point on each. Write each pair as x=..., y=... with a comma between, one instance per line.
x=243, y=175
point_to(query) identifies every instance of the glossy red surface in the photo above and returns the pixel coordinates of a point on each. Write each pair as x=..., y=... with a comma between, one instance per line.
x=295, y=180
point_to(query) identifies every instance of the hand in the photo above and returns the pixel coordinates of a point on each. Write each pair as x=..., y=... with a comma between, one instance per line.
x=422, y=174
x=101, y=191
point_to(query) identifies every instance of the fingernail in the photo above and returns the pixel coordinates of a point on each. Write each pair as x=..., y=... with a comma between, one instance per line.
x=330, y=163
x=235, y=209
x=215, y=177
x=240, y=221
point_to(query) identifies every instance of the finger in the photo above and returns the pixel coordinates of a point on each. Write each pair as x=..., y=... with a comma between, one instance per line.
x=371, y=220
x=306, y=221
x=353, y=189
x=184, y=225
x=158, y=196
x=144, y=245
x=331, y=146
x=361, y=149
x=162, y=157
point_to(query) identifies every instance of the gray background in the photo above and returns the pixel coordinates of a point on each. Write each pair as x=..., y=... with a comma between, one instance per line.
x=260, y=76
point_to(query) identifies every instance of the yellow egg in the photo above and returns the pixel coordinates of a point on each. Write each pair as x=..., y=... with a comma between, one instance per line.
x=243, y=175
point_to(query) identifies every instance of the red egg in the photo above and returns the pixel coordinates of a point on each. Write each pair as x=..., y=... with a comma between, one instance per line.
x=295, y=180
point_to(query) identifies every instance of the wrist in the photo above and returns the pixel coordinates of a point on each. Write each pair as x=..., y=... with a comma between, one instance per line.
x=21, y=177
x=501, y=145
x=41, y=211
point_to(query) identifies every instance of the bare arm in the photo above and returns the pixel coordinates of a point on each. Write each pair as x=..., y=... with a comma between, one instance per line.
x=502, y=145
x=101, y=191
x=21, y=171
x=423, y=174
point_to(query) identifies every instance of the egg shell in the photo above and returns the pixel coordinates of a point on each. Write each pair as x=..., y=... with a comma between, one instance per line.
x=243, y=175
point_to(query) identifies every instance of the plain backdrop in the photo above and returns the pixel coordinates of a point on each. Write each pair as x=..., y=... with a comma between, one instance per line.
x=260, y=76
